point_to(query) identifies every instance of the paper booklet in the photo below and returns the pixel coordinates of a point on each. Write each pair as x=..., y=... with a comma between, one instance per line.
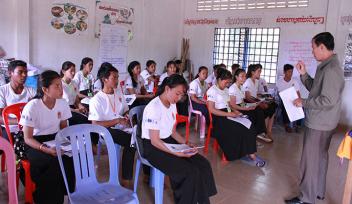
x=180, y=147
x=66, y=147
x=242, y=120
x=130, y=99
x=288, y=96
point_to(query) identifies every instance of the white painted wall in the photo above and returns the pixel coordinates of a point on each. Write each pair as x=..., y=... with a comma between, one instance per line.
x=8, y=27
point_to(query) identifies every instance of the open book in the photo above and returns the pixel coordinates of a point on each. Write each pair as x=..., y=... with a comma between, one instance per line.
x=180, y=147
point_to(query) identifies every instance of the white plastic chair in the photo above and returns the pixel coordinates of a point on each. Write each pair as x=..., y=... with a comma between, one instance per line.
x=198, y=114
x=87, y=189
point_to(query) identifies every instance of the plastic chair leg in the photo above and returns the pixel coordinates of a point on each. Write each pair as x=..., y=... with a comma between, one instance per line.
x=117, y=147
x=29, y=185
x=196, y=123
x=138, y=166
x=216, y=145
x=3, y=159
x=159, y=186
x=202, y=126
x=207, y=141
x=223, y=157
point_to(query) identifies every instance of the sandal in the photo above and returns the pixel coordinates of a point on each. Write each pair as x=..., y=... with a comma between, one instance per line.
x=259, y=162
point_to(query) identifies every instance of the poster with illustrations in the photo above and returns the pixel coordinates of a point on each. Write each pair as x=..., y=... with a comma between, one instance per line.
x=113, y=14
x=69, y=18
x=348, y=56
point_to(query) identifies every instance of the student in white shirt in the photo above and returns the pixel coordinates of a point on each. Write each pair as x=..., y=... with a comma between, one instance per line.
x=234, y=67
x=256, y=114
x=284, y=83
x=263, y=85
x=236, y=141
x=190, y=173
x=170, y=70
x=41, y=119
x=70, y=94
x=211, y=79
x=197, y=89
x=135, y=85
x=149, y=76
x=108, y=108
x=15, y=92
x=251, y=87
x=84, y=79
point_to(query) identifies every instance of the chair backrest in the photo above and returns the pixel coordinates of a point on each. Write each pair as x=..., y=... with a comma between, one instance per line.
x=14, y=109
x=6, y=147
x=190, y=104
x=136, y=114
x=79, y=136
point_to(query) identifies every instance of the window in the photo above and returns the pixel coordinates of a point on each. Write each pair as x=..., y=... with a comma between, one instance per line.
x=221, y=5
x=246, y=46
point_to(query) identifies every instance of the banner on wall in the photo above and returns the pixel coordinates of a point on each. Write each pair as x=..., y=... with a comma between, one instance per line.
x=307, y=20
x=114, y=45
x=348, y=56
x=113, y=14
x=69, y=18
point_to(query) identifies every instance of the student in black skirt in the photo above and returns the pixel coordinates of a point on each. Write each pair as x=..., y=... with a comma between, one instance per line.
x=41, y=119
x=190, y=173
x=236, y=140
x=251, y=88
x=197, y=89
x=70, y=94
x=84, y=78
x=255, y=113
x=108, y=108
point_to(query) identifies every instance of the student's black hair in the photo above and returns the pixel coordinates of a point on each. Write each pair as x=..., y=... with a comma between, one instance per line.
x=201, y=69
x=235, y=66
x=45, y=79
x=16, y=63
x=150, y=62
x=169, y=63
x=85, y=61
x=237, y=73
x=130, y=68
x=222, y=65
x=66, y=66
x=251, y=68
x=104, y=72
x=326, y=39
x=288, y=67
x=178, y=61
x=172, y=81
x=223, y=74
x=259, y=65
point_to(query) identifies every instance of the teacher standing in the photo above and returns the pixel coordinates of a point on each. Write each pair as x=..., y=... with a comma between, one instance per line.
x=322, y=108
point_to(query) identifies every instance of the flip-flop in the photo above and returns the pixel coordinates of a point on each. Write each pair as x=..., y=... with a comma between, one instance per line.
x=260, y=162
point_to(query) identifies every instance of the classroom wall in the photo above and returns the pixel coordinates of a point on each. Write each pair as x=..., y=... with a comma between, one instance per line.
x=156, y=32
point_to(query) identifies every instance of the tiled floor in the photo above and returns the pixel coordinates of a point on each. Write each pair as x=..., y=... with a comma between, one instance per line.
x=240, y=183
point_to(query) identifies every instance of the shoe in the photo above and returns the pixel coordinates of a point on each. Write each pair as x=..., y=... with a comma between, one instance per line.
x=295, y=200
x=264, y=138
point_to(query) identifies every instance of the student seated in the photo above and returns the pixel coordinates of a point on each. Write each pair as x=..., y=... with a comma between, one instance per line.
x=190, y=173
x=234, y=67
x=15, y=92
x=70, y=94
x=236, y=140
x=284, y=83
x=135, y=85
x=263, y=85
x=181, y=70
x=170, y=70
x=211, y=79
x=41, y=119
x=84, y=79
x=108, y=108
x=251, y=87
x=197, y=89
x=237, y=95
x=149, y=76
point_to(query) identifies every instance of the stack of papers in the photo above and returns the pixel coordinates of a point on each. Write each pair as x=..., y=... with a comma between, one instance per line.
x=180, y=147
x=242, y=120
x=65, y=146
x=130, y=99
x=288, y=96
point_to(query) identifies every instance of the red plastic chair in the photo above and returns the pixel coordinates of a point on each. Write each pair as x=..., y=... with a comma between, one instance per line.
x=215, y=144
x=183, y=119
x=7, y=149
x=16, y=109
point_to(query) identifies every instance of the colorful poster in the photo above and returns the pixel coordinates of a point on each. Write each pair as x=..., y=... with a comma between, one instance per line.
x=113, y=14
x=114, y=45
x=348, y=56
x=69, y=18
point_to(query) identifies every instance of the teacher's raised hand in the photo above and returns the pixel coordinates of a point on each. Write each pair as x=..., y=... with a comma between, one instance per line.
x=301, y=67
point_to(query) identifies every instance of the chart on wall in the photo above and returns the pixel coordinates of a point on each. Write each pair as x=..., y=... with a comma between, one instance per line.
x=113, y=46
x=113, y=14
x=348, y=57
x=69, y=18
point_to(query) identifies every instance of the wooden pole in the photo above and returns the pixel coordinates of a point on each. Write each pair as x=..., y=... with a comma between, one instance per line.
x=348, y=185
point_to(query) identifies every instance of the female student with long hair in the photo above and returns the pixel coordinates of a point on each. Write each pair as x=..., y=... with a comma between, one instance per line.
x=107, y=108
x=235, y=139
x=83, y=78
x=170, y=70
x=237, y=96
x=197, y=90
x=135, y=85
x=41, y=119
x=190, y=174
x=251, y=87
x=70, y=94
x=149, y=76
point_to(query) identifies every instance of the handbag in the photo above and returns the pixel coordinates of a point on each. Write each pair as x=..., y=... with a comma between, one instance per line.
x=19, y=145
